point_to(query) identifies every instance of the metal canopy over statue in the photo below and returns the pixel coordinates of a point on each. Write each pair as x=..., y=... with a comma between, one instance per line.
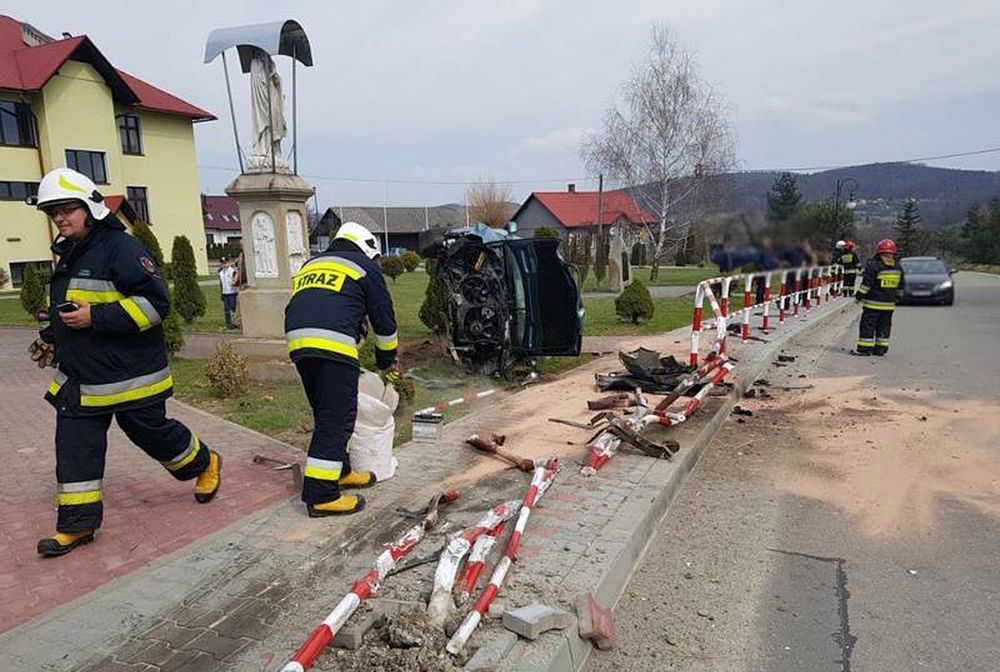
x=270, y=193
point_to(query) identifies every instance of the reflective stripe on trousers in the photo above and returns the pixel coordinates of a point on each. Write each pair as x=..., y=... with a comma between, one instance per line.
x=80, y=492
x=324, y=470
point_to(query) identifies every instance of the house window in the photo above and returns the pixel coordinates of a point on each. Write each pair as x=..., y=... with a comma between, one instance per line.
x=17, y=124
x=129, y=134
x=90, y=164
x=139, y=198
x=17, y=269
x=17, y=191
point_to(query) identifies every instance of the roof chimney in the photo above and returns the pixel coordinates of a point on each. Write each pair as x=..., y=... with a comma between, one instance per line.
x=571, y=188
x=67, y=36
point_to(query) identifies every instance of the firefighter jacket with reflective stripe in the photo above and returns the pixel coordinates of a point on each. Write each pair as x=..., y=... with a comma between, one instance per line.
x=880, y=284
x=120, y=361
x=849, y=260
x=332, y=294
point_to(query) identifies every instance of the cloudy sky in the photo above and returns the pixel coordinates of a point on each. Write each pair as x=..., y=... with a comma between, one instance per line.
x=430, y=95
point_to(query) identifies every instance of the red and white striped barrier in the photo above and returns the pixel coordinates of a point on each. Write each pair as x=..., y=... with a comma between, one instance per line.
x=440, y=603
x=442, y=405
x=540, y=482
x=477, y=560
x=360, y=591
x=812, y=284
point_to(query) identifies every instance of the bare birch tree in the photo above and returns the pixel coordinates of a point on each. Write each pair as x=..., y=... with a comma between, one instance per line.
x=669, y=133
x=489, y=203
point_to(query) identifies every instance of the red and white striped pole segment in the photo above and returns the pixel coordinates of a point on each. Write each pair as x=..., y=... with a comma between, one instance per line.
x=699, y=300
x=440, y=604
x=798, y=289
x=720, y=321
x=696, y=400
x=711, y=363
x=540, y=482
x=767, y=301
x=747, y=284
x=442, y=405
x=782, y=299
x=600, y=451
x=722, y=331
x=477, y=560
x=360, y=591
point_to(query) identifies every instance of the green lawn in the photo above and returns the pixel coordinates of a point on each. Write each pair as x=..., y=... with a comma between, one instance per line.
x=676, y=276
x=12, y=314
x=601, y=319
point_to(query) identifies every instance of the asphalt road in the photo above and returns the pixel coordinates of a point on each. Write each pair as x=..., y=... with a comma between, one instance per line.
x=852, y=523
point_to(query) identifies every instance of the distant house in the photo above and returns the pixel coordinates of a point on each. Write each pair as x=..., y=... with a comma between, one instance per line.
x=404, y=224
x=572, y=211
x=221, y=217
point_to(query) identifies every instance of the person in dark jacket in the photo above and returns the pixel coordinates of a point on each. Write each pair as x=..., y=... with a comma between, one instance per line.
x=877, y=295
x=106, y=305
x=333, y=295
x=851, y=262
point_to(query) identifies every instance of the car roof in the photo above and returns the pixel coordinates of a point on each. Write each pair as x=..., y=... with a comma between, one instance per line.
x=921, y=259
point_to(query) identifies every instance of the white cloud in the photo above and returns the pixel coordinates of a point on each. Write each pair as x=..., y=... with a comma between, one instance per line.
x=823, y=112
x=555, y=141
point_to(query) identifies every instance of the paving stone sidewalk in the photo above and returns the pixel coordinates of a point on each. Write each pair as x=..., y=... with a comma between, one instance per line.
x=244, y=597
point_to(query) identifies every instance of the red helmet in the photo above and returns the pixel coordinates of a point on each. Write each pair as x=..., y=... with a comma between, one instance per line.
x=886, y=246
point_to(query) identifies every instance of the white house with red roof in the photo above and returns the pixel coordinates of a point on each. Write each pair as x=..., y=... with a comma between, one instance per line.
x=576, y=211
x=221, y=219
x=62, y=103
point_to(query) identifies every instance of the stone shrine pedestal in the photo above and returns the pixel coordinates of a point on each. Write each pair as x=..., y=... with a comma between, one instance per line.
x=275, y=242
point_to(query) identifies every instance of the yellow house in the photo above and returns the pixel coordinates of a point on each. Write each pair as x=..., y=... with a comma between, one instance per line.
x=63, y=104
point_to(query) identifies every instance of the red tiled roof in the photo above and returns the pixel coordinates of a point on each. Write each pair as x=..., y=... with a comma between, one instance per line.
x=24, y=68
x=579, y=208
x=221, y=213
x=118, y=203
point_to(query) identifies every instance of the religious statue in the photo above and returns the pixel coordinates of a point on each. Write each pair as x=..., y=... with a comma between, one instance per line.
x=265, y=251
x=297, y=252
x=267, y=105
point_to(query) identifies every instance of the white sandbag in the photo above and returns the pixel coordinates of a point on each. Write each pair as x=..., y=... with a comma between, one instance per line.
x=371, y=444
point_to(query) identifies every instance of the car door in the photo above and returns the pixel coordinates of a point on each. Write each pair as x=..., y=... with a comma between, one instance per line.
x=547, y=310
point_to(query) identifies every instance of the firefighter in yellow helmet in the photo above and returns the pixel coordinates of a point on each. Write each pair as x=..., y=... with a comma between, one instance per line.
x=106, y=305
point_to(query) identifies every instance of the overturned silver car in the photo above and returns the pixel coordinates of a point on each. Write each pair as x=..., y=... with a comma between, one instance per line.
x=508, y=299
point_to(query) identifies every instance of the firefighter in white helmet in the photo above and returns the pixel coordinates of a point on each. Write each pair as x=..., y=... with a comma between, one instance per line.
x=106, y=305
x=333, y=295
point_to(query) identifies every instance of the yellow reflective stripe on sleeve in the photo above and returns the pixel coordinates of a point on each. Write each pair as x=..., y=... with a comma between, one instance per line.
x=351, y=271
x=322, y=344
x=92, y=296
x=135, y=313
x=390, y=342
x=77, y=498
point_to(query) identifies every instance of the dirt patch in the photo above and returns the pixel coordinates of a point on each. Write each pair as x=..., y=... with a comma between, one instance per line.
x=402, y=643
x=887, y=459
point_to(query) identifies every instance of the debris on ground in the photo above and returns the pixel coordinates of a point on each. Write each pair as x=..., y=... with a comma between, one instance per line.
x=645, y=369
x=595, y=622
x=739, y=410
x=786, y=358
x=403, y=642
x=531, y=621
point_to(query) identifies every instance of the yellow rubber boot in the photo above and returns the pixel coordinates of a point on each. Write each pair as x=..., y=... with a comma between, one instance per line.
x=358, y=479
x=209, y=480
x=62, y=543
x=342, y=506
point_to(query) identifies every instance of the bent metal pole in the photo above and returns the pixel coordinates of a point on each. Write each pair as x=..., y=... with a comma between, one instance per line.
x=540, y=482
x=363, y=589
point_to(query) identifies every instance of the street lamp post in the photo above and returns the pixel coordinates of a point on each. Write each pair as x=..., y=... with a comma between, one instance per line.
x=842, y=183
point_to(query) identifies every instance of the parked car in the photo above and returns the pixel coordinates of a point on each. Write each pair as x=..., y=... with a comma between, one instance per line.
x=508, y=299
x=926, y=280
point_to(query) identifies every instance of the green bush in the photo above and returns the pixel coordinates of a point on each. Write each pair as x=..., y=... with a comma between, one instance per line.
x=433, y=310
x=411, y=260
x=173, y=335
x=227, y=371
x=635, y=303
x=33, y=296
x=546, y=232
x=145, y=235
x=189, y=300
x=219, y=250
x=393, y=267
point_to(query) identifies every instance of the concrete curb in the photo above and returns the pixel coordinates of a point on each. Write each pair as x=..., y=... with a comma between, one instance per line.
x=639, y=517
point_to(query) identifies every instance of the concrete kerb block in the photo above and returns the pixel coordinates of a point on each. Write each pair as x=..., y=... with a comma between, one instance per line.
x=490, y=655
x=531, y=621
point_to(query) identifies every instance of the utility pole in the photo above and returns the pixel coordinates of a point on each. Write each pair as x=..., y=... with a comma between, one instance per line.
x=385, y=216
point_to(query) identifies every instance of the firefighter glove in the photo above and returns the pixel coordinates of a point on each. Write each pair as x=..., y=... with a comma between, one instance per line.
x=42, y=353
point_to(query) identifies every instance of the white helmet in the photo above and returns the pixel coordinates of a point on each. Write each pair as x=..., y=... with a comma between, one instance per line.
x=64, y=185
x=840, y=244
x=361, y=237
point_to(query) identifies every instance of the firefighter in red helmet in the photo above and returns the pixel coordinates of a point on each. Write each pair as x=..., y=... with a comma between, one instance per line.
x=880, y=282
